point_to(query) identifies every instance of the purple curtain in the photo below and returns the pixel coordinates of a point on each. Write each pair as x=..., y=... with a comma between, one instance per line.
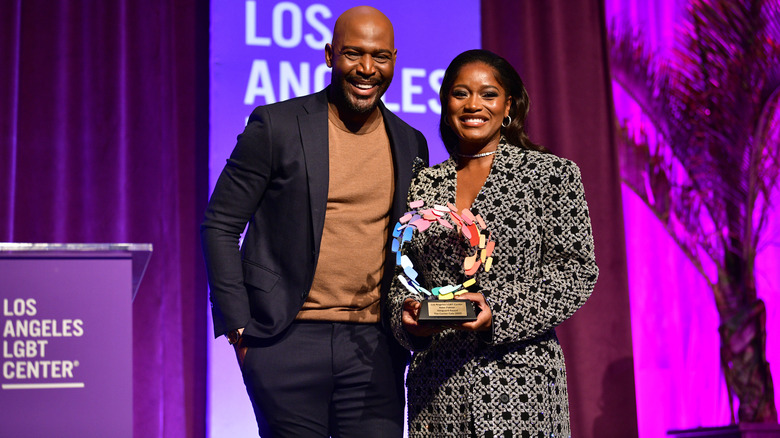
x=560, y=49
x=103, y=138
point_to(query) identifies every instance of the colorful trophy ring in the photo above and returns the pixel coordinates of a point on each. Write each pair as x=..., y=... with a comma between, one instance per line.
x=471, y=227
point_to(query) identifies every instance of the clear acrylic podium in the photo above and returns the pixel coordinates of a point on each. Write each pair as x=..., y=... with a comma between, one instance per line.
x=67, y=364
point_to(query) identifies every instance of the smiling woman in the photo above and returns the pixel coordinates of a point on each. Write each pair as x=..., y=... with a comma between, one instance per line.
x=504, y=373
x=476, y=106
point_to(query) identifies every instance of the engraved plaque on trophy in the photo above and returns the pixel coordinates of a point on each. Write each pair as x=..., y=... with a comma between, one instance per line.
x=447, y=311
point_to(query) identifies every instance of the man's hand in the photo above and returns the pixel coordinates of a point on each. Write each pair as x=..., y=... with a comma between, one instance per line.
x=240, y=348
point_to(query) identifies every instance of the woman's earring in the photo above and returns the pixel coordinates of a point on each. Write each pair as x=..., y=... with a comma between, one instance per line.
x=507, y=120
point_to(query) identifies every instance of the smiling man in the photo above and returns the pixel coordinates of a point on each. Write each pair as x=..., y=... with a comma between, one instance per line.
x=319, y=180
x=362, y=57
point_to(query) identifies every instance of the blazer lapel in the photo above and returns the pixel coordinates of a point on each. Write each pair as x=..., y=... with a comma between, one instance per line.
x=403, y=156
x=313, y=127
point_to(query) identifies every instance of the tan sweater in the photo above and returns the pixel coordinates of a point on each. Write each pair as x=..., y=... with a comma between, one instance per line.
x=352, y=253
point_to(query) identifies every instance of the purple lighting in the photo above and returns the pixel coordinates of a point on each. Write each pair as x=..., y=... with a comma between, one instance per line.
x=679, y=381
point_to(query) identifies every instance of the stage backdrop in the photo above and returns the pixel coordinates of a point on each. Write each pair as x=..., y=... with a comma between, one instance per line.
x=266, y=51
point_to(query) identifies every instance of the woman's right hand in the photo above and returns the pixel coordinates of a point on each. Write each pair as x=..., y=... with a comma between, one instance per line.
x=411, y=311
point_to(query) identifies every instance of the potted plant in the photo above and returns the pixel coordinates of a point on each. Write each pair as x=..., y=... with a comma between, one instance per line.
x=708, y=170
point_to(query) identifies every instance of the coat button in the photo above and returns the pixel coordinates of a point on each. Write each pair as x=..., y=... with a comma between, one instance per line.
x=504, y=398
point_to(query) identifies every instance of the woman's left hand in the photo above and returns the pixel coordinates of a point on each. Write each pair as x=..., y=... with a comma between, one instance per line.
x=484, y=319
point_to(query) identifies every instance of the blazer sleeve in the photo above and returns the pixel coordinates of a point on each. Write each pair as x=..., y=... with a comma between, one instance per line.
x=235, y=199
x=568, y=265
x=422, y=152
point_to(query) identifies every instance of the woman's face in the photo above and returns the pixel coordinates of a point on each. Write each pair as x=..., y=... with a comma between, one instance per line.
x=476, y=105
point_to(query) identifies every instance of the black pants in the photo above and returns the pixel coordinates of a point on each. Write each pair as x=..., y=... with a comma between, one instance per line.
x=323, y=379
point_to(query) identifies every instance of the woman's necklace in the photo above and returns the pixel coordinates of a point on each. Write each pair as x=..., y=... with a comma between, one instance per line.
x=483, y=154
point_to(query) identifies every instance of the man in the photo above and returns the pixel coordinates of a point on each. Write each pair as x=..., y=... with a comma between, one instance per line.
x=320, y=179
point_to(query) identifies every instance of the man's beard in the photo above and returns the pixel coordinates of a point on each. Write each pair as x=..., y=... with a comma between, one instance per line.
x=357, y=104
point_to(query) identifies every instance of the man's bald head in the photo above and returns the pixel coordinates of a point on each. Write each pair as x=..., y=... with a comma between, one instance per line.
x=364, y=17
x=362, y=56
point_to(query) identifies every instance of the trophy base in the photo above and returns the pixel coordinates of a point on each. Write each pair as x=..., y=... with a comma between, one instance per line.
x=447, y=311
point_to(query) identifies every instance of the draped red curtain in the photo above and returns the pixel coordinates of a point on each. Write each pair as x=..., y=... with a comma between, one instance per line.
x=559, y=48
x=103, y=138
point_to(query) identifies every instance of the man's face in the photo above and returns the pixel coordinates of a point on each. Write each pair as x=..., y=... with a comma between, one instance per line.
x=362, y=57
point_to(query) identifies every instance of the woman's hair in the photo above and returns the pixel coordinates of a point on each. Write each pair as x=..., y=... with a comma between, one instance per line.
x=508, y=78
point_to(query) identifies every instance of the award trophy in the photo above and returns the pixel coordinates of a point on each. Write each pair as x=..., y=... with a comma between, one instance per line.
x=439, y=304
x=435, y=310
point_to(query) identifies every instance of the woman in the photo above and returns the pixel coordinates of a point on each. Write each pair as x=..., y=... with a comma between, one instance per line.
x=503, y=374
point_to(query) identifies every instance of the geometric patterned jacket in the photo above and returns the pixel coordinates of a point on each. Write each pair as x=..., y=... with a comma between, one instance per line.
x=511, y=381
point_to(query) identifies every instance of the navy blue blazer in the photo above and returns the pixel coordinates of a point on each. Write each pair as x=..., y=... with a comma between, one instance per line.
x=276, y=180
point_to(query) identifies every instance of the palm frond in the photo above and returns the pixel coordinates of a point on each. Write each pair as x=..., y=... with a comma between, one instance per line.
x=709, y=171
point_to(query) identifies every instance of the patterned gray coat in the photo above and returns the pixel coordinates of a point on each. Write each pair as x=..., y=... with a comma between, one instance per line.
x=511, y=382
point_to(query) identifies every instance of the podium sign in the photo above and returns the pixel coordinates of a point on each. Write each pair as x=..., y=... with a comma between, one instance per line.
x=66, y=366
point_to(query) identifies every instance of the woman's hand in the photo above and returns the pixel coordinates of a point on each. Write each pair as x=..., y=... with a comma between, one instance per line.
x=484, y=320
x=411, y=311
